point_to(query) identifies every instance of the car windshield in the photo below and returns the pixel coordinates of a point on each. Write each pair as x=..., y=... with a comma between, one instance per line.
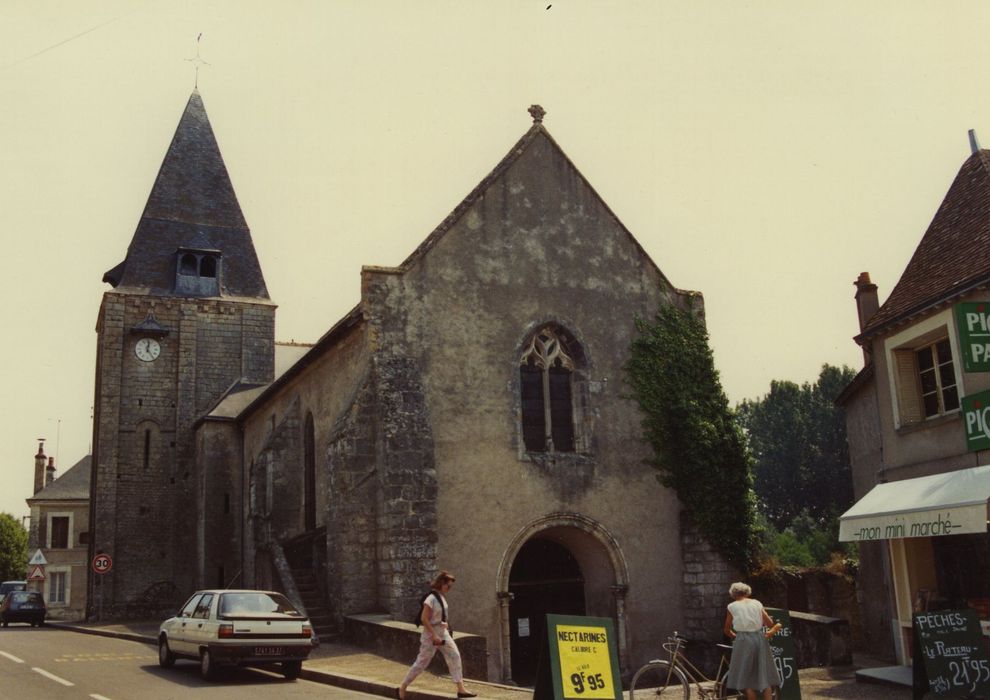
x=251, y=603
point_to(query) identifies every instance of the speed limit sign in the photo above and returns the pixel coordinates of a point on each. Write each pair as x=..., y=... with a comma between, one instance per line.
x=102, y=563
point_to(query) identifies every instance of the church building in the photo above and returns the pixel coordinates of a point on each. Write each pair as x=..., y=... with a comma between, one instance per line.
x=469, y=414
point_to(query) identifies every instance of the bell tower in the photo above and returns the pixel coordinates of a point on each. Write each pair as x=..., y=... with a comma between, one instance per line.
x=187, y=316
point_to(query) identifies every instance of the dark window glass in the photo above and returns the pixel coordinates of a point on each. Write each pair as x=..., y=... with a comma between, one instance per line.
x=533, y=419
x=931, y=405
x=951, y=399
x=60, y=533
x=561, y=421
x=208, y=266
x=944, y=351
x=187, y=265
x=928, y=383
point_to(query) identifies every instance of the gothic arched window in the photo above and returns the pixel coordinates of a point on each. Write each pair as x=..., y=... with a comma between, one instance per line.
x=546, y=371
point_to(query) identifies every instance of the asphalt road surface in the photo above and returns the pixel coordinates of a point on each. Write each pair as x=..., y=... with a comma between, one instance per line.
x=49, y=664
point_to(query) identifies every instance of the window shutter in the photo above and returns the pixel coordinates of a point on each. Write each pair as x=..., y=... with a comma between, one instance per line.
x=533, y=422
x=561, y=409
x=908, y=392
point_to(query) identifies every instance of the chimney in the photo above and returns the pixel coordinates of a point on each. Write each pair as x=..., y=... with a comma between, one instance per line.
x=39, y=466
x=974, y=142
x=867, y=304
x=50, y=471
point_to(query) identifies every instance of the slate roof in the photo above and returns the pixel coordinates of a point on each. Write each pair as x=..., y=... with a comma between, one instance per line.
x=952, y=258
x=192, y=205
x=73, y=485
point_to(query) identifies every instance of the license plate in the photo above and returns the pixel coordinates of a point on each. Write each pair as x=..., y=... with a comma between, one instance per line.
x=268, y=651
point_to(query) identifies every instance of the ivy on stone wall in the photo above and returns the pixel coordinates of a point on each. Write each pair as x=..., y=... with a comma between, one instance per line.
x=698, y=447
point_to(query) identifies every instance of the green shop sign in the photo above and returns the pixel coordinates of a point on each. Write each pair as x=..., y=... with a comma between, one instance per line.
x=976, y=418
x=973, y=321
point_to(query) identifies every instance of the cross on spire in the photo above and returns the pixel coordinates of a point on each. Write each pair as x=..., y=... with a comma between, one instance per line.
x=197, y=61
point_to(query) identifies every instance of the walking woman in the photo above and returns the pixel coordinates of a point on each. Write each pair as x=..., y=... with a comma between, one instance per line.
x=751, y=667
x=436, y=635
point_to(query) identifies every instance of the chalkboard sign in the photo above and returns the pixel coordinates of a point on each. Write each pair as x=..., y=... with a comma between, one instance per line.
x=950, y=656
x=785, y=655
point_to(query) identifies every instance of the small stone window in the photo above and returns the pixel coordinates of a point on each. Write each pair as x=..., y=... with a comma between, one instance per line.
x=546, y=375
x=197, y=273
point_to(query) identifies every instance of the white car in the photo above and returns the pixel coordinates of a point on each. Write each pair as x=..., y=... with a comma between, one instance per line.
x=236, y=627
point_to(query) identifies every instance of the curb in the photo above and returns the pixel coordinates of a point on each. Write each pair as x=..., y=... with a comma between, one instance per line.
x=339, y=680
x=129, y=636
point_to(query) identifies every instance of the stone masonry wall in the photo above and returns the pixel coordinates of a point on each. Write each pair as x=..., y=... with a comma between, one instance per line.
x=351, y=517
x=406, y=530
x=144, y=446
x=707, y=576
x=407, y=519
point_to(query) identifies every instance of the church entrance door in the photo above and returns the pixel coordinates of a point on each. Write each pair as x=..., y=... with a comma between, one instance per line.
x=545, y=579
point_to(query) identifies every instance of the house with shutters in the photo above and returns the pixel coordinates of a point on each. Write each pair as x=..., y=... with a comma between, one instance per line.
x=60, y=531
x=918, y=437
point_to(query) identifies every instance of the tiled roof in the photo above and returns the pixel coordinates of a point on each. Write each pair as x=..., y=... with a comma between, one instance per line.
x=192, y=205
x=73, y=485
x=954, y=254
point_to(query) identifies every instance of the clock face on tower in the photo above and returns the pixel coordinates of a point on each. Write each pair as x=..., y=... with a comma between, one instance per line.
x=147, y=349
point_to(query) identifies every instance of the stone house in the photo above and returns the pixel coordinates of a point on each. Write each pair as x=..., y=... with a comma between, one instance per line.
x=60, y=530
x=468, y=414
x=920, y=471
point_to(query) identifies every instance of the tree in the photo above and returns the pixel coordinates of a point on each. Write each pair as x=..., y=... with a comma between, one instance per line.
x=798, y=439
x=13, y=548
x=698, y=447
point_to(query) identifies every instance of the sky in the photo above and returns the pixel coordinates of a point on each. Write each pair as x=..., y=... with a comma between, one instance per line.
x=762, y=153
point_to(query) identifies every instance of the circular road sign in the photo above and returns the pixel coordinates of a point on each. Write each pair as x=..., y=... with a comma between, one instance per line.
x=102, y=563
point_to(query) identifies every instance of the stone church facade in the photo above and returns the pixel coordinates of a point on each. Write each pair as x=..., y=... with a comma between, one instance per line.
x=469, y=414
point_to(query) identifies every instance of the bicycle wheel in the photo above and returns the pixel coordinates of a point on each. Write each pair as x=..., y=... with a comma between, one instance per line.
x=658, y=680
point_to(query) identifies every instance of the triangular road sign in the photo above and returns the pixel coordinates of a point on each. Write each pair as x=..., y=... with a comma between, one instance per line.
x=37, y=558
x=37, y=573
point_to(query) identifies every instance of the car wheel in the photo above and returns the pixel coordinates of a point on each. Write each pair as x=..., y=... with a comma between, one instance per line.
x=291, y=669
x=165, y=656
x=207, y=669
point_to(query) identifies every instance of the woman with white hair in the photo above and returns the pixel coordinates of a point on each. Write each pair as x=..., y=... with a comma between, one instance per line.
x=751, y=667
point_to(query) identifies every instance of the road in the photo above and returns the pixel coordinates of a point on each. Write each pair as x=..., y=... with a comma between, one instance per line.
x=51, y=664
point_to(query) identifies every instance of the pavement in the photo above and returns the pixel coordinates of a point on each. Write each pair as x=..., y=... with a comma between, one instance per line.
x=353, y=668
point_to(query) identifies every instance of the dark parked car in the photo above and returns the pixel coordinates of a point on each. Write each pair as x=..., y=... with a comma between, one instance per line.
x=23, y=606
x=8, y=586
x=236, y=627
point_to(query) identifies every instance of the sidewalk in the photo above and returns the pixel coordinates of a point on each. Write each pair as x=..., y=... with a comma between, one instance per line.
x=356, y=669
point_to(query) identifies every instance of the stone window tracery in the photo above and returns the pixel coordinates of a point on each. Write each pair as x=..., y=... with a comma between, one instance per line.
x=546, y=371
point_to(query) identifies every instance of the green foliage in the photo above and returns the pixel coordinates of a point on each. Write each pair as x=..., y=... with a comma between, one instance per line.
x=798, y=438
x=13, y=548
x=805, y=543
x=698, y=448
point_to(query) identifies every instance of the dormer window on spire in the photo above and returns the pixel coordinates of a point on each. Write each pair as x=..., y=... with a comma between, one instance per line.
x=197, y=272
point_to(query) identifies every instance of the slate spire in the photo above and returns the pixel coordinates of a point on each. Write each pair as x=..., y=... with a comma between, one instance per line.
x=192, y=206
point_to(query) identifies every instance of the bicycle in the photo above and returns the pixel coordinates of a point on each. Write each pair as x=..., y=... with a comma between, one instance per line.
x=673, y=677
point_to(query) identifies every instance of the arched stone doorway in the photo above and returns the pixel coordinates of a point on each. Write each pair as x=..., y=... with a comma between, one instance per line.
x=564, y=563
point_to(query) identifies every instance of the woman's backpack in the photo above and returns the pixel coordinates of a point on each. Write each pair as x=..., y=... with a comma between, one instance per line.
x=418, y=619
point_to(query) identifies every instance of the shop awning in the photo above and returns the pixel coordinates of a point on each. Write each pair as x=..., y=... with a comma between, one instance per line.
x=953, y=503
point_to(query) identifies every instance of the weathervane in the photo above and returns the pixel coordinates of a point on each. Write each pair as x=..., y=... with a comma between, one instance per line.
x=197, y=61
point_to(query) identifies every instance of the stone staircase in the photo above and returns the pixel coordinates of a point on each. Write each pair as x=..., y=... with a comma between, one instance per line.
x=316, y=606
